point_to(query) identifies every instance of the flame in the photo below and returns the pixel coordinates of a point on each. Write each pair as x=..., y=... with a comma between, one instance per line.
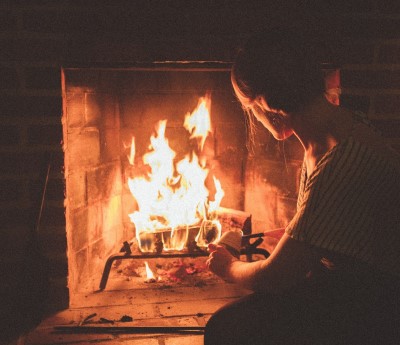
x=149, y=273
x=198, y=123
x=172, y=198
x=132, y=153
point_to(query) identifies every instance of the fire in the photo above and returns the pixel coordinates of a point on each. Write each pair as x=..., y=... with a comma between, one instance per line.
x=173, y=198
x=150, y=277
x=131, y=156
x=199, y=123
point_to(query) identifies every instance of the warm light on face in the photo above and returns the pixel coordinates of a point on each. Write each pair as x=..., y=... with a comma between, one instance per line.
x=275, y=121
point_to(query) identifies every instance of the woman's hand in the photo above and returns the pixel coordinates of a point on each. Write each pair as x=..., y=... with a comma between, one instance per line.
x=220, y=261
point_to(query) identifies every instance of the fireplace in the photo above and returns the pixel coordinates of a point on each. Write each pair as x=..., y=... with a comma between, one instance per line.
x=103, y=110
x=115, y=117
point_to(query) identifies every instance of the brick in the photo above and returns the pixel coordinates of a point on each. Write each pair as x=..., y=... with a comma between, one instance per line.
x=57, y=160
x=92, y=110
x=13, y=237
x=355, y=51
x=77, y=230
x=266, y=186
x=83, y=148
x=133, y=340
x=112, y=220
x=76, y=189
x=389, y=54
x=10, y=190
x=16, y=217
x=36, y=49
x=60, y=21
x=59, y=266
x=285, y=209
x=109, y=116
x=35, y=106
x=9, y=78
x=385, y=79
x=368, y=6
x=110, y=145
x=395, y=144
x=98, y=254
x=185, y=340
x=45, y=135
x=225, y=109
x=75, y=110
x=111, y=50
x=103, y=182
x=54, y=191
x=7, y=20
x=22, y=163
x=78, y=273
x=37, y=337
x=355, y=102
x=205, y=306
x=47, y=78
x=58, y=299
x=52, y=243
x=9, y=135
x=371, y=26
x=94, y=227
x=387, y=104
x=7, y=49
x=54, y=216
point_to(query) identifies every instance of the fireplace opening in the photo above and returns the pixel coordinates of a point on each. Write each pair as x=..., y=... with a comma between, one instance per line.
x=131, y=130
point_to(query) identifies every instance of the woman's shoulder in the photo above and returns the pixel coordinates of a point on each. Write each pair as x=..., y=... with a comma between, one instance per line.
x=367, y=139
x=354, y=162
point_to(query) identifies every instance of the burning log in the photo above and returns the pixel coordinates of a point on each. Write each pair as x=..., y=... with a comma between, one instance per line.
x=196, y=236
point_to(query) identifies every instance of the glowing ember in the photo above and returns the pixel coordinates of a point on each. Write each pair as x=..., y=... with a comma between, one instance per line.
x=173, y=198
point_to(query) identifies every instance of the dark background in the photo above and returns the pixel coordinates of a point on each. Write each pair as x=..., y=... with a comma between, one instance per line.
x=38, y=37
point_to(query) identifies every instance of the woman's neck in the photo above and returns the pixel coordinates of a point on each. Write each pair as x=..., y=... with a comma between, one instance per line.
x=320, y=127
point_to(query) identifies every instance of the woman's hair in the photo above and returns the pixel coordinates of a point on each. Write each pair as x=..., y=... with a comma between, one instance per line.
x=281, y=65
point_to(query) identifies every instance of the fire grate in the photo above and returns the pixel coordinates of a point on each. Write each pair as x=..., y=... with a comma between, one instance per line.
x=248, y=249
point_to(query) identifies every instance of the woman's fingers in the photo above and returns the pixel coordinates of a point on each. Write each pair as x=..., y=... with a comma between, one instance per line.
x=212, y=247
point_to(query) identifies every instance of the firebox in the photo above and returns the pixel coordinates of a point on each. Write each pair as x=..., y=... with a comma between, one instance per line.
x=141, y=138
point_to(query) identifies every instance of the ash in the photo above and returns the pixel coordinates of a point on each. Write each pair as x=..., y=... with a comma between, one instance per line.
x=168, y=272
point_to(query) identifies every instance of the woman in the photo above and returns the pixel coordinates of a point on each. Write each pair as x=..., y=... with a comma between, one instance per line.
x=333, y=276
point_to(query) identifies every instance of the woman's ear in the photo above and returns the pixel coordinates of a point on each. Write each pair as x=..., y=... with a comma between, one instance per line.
x=332, y=86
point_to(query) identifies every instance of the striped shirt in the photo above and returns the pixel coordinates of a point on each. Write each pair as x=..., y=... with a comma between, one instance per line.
x=350, y=206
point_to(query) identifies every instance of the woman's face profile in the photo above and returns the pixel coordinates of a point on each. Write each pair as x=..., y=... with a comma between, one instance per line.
x=275, y=121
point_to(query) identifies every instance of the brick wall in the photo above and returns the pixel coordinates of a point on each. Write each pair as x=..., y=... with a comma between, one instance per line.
x=38, y=37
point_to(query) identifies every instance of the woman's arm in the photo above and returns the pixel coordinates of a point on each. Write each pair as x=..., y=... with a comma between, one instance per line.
x=288, y=265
